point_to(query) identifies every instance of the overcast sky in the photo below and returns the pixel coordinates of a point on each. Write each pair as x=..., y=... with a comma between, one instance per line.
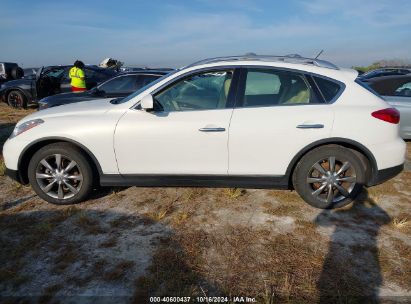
x=174, y=33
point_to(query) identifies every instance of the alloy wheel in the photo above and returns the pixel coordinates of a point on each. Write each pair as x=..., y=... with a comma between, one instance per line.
x=331, y=180
x=59, y=176
x=15, y=100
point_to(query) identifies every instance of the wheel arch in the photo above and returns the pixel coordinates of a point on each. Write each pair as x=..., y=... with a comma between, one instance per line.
x=23, y=91
x=371, y=169
x=28, y=152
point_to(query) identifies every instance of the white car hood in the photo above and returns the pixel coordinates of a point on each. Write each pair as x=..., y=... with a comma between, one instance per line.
x=92, y=107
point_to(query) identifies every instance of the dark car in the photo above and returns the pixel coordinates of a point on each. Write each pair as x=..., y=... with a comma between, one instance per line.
x=397, y=85
x=10, y=71
x=383, y=72
x=396, y=90
x=120, y=85
x=30, y=73
x=48, y=81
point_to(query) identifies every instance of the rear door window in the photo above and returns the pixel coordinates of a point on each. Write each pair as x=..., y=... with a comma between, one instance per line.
x=266, y=87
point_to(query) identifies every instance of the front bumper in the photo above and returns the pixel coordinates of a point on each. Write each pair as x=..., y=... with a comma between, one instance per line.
x=14, y=174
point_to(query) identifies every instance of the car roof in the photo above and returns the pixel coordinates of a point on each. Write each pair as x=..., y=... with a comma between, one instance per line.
x=145, y=72
x=391, y=68
x=292, y=59
x=290, y=62
x=391, y=78
x=108, y=72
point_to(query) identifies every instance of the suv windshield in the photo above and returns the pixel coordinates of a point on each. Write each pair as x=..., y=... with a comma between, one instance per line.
x=142, y=89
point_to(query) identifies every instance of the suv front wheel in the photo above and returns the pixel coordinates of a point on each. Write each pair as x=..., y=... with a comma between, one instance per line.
x=60, y=174
x=329, y=177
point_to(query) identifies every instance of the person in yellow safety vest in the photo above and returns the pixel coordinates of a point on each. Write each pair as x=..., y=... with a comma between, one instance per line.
x=78, y=78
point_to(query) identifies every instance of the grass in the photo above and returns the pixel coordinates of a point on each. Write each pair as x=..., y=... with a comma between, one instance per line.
x=181, y=217
x=284, y=209
x=21, y=234
x=169, y=274
x=236, y=261
x=67, y=255
x=124, y=222
x=89, y=224
x=400, y=223
x=285, y=197
x=2, y=167
x=234, y=193
x=49, y=292
x=192, y=194
x=12, y=115
x=385, y=189
x=109, y=243
x=395, y=263
x=305, y=227
x=118, y=271
x=161, y=211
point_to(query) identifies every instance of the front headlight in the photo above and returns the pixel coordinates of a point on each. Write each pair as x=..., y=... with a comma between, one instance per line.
x=42, y=105
x=26, y=126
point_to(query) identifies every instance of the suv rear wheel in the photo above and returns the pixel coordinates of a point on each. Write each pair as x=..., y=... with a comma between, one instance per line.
x=60, y=174
x=329, y=177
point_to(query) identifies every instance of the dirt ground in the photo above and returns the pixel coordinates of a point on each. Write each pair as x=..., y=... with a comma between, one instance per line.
x=127, y=244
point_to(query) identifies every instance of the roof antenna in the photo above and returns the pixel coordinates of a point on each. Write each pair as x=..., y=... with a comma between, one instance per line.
x=319, y=54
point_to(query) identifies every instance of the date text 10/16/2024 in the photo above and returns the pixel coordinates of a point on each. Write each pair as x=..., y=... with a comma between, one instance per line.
x=202, y=300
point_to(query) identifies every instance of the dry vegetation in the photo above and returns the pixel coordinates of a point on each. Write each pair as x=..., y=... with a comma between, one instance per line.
x=141, y=242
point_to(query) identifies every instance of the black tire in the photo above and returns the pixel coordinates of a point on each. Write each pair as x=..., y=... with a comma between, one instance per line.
x=17, y=73
x=307, y=173
x=16, y=99
x=68, y=154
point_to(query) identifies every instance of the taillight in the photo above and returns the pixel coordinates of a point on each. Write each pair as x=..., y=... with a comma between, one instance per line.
x=390, y=115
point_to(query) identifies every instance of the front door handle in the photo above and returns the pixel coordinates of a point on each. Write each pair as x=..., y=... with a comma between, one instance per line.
x=310, y=126
x=211, y=129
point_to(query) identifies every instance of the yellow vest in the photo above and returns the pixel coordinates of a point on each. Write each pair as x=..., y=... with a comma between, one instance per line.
x=75, y=75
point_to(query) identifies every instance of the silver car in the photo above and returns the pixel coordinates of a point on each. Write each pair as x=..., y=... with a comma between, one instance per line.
x=396, y=90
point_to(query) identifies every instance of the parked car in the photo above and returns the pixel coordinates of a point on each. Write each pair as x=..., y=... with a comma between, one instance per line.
x=10, y=71
x=396, y=90
x=247, y=121
x=384, y=72
x=48, y=81
x=121, y=85
x=30, y=73
x=137, y=69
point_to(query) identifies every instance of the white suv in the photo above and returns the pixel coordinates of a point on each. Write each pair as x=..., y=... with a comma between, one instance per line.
x=243, y=121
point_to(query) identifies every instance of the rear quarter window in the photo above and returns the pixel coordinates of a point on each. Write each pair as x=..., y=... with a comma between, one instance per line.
x=329, y=89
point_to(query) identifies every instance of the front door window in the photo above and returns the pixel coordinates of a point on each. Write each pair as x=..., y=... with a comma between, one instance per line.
x=205, y=91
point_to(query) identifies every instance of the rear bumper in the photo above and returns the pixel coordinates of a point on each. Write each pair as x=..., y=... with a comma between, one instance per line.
x=385, y=174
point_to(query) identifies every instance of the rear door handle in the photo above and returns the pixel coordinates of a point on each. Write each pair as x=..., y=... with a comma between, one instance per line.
x=310, y=126
x=212, y=129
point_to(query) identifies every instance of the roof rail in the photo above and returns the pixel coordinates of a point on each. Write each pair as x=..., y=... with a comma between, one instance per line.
x=292, y=58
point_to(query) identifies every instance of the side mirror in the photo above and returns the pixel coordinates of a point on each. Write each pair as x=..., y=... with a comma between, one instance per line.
x=147, y=103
